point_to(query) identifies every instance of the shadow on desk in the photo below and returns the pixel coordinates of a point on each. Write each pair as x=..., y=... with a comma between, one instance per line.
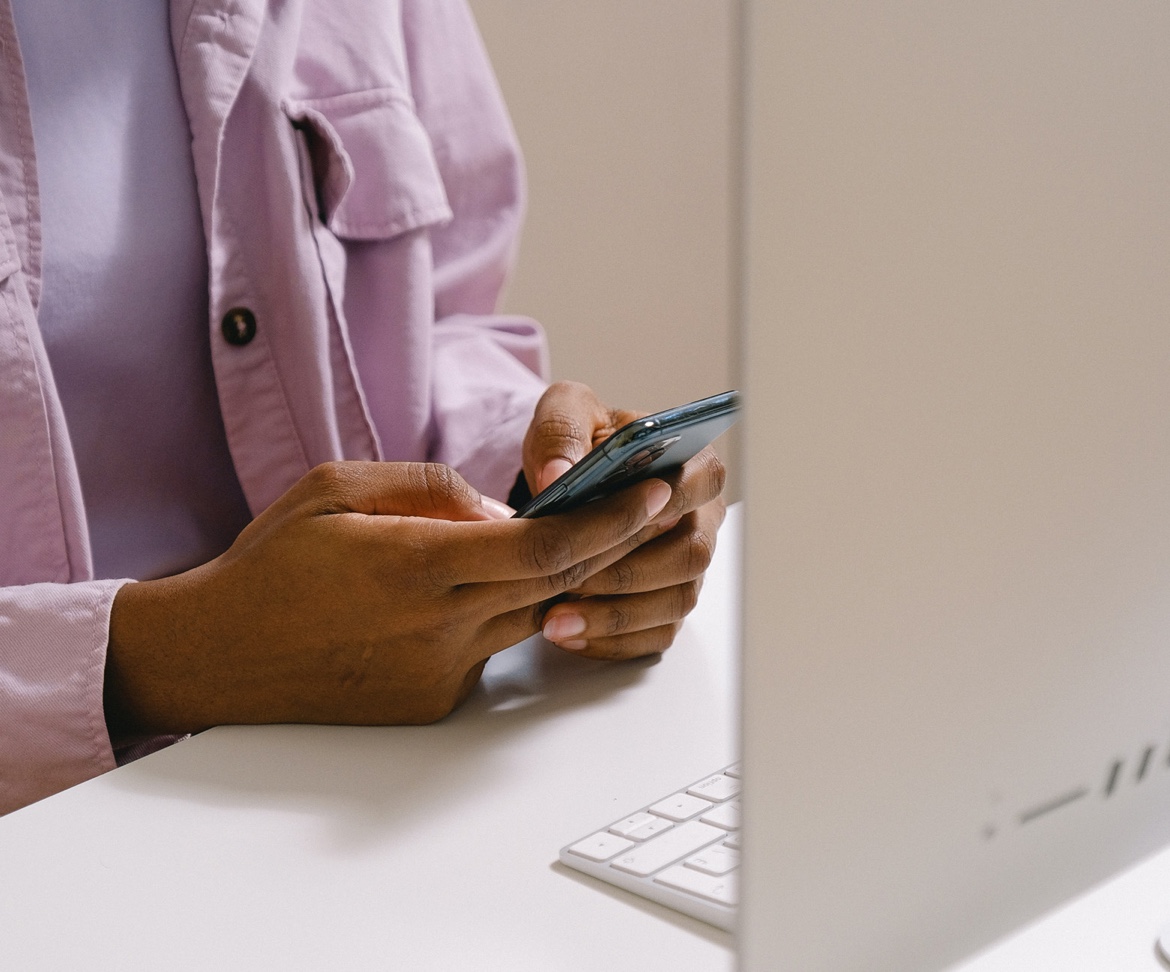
x=377, y=785
x=717, y=936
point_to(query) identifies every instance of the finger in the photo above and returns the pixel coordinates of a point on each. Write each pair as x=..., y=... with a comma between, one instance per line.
x=503, y=596
x=680, y=555
x=652, y=641
x=697, y=483
x=497, y=509
x=568, y=421
x=425, y=489
x=551, y=547
x=508, y=628
x=574, y=624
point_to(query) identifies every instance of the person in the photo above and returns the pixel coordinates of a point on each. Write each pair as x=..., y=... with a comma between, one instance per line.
x=258, y=413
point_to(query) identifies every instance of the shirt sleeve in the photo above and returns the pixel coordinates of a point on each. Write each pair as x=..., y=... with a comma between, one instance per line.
x=52, y=661
x=489, y=369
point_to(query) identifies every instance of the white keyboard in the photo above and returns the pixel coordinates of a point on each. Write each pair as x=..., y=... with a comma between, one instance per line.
x=682, y=851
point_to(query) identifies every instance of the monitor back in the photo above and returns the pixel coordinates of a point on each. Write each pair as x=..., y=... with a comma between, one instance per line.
x=957, y=469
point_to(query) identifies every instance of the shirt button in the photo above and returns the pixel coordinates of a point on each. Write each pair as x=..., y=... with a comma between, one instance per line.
x=238, y=326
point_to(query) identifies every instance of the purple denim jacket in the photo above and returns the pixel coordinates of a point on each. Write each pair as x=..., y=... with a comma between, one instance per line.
x=361, y=193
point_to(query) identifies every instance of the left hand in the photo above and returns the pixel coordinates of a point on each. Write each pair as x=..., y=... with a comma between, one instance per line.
x=635, y=606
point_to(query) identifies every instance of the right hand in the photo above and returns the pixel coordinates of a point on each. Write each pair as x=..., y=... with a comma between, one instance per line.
x=370, y=593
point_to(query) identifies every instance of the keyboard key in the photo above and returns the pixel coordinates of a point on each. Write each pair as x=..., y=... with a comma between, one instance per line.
x=640, y=826
x=600, y=847
x=666, y=848
x=715, y=859
x=725, y=815
x=733, y=771
x=716, y=788
x=721, y=889
x=680, y=807
x=733, y=841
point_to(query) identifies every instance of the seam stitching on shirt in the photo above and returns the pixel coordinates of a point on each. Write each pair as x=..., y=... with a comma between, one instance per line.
x=14, y=62
x=29, y=372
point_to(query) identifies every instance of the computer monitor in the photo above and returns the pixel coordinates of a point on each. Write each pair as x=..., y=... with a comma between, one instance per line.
x=957, y=469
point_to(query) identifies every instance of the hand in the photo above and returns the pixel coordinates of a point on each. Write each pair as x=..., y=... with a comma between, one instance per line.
x=634, y=606
x=370, y=593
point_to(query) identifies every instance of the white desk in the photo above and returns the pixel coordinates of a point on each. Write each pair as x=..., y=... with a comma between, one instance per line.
x=1110, y=928
x=306, y=848
x=433, y=848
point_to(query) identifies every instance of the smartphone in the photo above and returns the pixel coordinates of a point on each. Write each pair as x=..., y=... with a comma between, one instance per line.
x=650, y=446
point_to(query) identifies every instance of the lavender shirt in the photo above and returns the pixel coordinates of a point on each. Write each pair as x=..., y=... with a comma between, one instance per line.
x=360, y=194
x=124, y=299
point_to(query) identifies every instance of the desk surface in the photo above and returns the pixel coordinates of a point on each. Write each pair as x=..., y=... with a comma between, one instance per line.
x=1110, y=928
x=304, y=848
x=298, y=847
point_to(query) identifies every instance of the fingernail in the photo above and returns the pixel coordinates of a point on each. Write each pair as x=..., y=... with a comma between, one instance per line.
x=573, y=645
x=563, y=626
x=496, y=509
x=553, y=470
x=657, y=498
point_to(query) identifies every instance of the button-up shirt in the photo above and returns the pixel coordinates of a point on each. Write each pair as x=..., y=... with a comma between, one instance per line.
x=360, y=192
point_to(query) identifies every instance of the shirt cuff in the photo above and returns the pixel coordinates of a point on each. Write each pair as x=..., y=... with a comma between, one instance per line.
x=53, y=734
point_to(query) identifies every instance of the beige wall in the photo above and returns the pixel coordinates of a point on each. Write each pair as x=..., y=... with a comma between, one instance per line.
x=625, y=113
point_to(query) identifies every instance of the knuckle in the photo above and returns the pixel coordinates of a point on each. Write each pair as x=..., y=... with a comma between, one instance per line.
x=662, y=637
x=620, y=578
x=682, y=497
x=716, y=511
x=631, y=524
x=558, y=423
x=548, y=548
x=329, y=478
x=441, y=484
x=614, y=650
x=329, y=472
x=701, y=481
x=686, y=597
x=572, y=576
x=700, y=550
x=617, y=621
x=716, y=475
x=635, y=540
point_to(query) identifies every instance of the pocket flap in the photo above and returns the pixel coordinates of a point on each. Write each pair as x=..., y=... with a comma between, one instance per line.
x=374, y=169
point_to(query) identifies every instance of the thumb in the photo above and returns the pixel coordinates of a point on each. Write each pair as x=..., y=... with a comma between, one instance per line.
x=424, y=489
x=567, y=419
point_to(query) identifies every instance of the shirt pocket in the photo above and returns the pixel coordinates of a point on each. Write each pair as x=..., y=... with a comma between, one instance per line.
x=373, y=172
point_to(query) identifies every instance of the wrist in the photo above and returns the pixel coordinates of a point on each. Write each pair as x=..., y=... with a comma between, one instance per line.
x=142, y=693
